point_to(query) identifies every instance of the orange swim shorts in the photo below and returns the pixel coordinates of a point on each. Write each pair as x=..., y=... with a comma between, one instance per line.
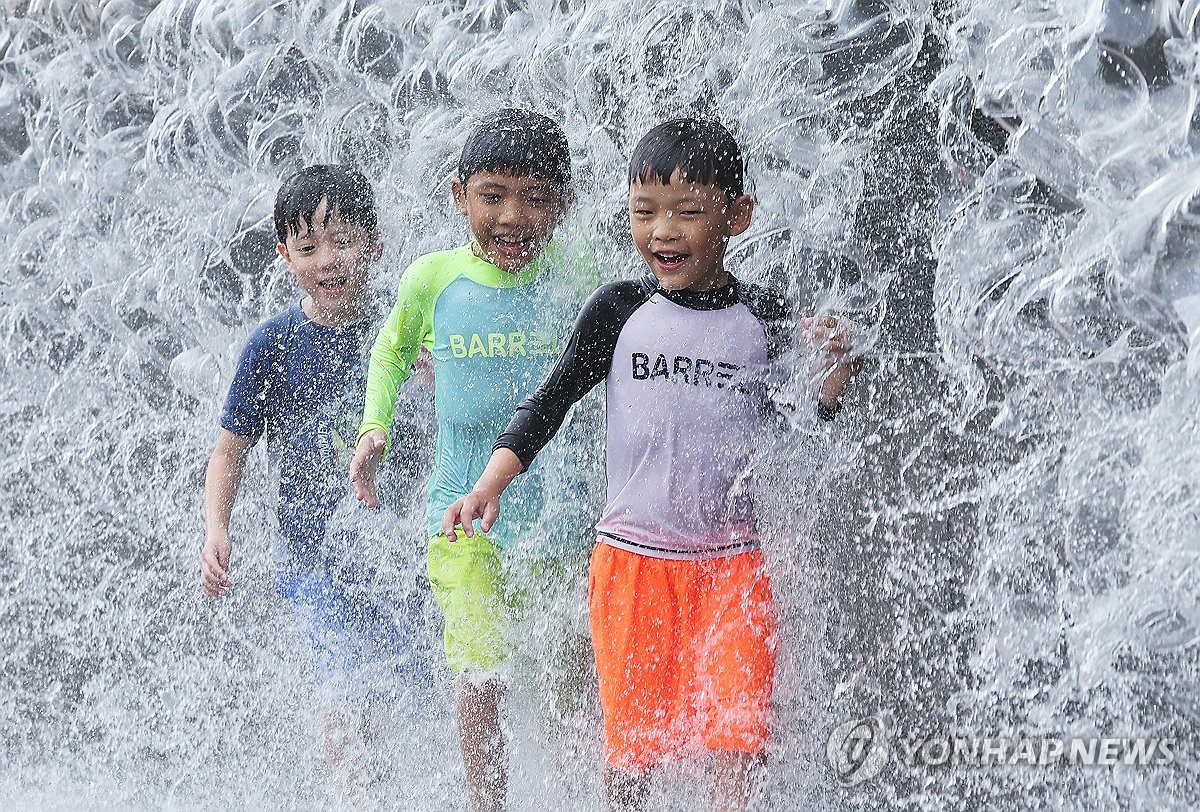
x=685, y=654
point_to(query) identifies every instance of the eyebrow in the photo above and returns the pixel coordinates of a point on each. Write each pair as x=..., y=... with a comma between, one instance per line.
x=677, y=201
x=309, y=233
x=535, y=186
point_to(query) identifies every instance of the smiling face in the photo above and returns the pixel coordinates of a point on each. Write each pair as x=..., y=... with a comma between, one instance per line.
x=682, y=228
x=512, y=217
x=331, y=261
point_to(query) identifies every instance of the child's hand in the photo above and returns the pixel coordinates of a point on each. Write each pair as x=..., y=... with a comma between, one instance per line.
x=831, y=335
x=364, y=466
x=835, y=337
x=214, y=564
x=483, y=502
x=475, y=505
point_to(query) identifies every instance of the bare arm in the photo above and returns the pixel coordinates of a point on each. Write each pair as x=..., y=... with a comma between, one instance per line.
x=225, y=469
x=483, y=502
x=836, y=382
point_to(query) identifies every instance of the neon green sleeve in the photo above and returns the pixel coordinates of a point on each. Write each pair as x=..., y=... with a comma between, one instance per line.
x=408, y=327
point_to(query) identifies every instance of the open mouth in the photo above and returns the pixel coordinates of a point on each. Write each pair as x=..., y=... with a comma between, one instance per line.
x=669, y=260
x=509, y=247
x=334, y=284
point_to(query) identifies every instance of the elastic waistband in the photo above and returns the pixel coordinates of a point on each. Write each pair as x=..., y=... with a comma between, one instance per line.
x=733, y=548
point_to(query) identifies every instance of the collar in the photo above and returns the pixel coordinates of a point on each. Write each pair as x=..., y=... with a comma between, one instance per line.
x=485, y=273
x=714, y=299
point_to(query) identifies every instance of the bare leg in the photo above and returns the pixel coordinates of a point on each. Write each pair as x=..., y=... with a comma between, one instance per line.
x=626, y=791
x=736, y=780
x=340, y=753
x=482, y=744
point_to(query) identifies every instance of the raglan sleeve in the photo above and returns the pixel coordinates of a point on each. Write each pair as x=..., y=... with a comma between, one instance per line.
x=584, y=363
x=408, y=325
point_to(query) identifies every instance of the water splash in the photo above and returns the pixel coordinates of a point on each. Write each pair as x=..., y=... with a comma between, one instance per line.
x=1001, y=537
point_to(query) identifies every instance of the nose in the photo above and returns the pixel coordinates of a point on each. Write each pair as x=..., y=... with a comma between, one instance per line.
x=326, y=255
x=512, y=213
x=664, y=228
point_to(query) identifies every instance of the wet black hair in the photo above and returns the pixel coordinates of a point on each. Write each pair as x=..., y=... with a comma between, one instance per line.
x=701, y=149
x=517, y=142
x=345, y=189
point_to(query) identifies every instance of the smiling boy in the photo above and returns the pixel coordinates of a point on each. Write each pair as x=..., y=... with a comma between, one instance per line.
x=299, y=382
x=682, y=616
x=487, y=315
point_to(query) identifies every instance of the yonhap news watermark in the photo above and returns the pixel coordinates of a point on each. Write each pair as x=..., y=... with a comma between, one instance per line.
x=859, y=750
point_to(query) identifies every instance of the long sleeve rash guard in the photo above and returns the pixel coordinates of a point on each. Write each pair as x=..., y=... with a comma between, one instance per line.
x=491, y=336
x=686, y=402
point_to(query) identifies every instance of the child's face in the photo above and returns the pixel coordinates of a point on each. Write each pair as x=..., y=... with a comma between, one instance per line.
x=331, y=262
x=681, y=230
x=512, y=216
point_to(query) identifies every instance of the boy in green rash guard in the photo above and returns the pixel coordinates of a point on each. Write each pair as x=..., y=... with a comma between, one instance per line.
x=486, y=314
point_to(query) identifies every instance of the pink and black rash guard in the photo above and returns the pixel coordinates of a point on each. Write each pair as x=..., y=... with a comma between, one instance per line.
x=687, y=402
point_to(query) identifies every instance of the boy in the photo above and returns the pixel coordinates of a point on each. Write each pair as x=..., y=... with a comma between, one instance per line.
x=683, y=621
x=486, y=313
x=299, y=381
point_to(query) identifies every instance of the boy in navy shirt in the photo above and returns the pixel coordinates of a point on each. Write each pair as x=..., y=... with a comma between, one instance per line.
x=299, y=382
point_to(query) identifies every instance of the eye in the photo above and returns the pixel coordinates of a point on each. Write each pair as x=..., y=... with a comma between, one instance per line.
x=490, y=197
x=643, y=212
x=538, y=202
x=692, y=212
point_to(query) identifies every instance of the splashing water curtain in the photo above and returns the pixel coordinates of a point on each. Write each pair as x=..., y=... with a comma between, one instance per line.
x=999, y=537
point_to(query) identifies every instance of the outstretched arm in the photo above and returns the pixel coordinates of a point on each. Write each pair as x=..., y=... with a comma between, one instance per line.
x=225, y=469
x=582, y=365
x=483, y=502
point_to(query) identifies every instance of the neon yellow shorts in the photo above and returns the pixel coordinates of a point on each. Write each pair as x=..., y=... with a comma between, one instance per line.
x=467, y=580
x=487, y=595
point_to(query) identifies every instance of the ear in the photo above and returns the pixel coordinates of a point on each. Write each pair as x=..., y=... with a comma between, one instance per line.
x=459, y=190
x=740, y=212
x=283, y=252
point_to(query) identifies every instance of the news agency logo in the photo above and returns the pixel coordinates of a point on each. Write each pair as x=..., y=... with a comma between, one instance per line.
x=859, y=749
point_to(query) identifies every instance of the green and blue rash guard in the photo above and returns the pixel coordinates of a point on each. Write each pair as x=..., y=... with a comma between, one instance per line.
x=688, y=396
x=492, y=335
